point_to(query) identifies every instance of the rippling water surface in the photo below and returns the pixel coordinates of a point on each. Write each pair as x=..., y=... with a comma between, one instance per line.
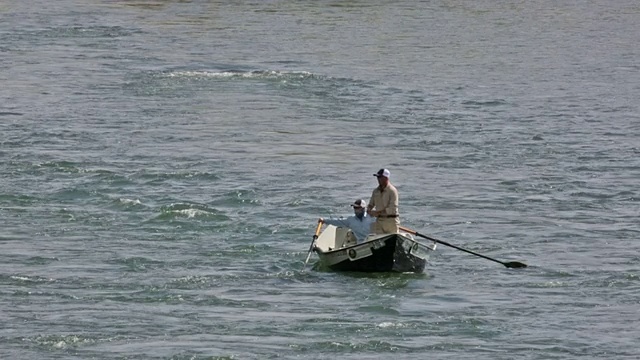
x=163, y=164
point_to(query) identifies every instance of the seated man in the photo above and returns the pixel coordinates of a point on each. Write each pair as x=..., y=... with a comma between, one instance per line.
x=359, y=223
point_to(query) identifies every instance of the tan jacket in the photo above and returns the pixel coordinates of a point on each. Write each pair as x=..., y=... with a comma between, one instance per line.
x=385, y=200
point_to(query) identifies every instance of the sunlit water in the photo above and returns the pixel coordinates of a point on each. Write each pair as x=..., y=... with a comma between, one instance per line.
x=163, y=165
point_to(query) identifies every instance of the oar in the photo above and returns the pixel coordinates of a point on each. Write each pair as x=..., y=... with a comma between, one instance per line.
x=315, y=237
x=510, y=264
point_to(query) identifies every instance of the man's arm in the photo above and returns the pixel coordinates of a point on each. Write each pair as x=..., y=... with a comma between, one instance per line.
x=392, y=207
x=336, y=222
x=371, y=204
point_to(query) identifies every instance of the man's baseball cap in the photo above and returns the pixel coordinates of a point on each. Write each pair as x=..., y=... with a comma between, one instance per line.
x=382, y=172
x=359, y=203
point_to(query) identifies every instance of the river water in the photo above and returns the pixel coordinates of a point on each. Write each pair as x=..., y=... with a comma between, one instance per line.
x=163, y=165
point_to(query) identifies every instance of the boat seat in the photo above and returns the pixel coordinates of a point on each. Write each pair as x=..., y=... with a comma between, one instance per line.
x=344, y=237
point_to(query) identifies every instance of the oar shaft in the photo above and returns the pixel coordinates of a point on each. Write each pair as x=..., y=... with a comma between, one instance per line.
x=511, y=264
x=313, y=241
x=465, y=250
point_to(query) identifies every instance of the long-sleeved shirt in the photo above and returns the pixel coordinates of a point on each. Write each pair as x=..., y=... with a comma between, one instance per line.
x=360, y=228
x=385, y=200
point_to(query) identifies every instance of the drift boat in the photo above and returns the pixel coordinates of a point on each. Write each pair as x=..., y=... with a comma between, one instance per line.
x=398, y=252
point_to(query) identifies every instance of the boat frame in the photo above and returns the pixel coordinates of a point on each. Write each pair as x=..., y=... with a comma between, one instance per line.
x=396, y=252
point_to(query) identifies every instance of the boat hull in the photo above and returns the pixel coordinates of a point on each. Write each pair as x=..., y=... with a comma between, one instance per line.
x=397, y=252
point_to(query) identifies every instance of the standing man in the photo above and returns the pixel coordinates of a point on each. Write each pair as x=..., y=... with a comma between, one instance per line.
x=384, y=200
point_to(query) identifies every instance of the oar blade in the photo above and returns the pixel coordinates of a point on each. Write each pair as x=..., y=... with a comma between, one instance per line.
x=515, y=265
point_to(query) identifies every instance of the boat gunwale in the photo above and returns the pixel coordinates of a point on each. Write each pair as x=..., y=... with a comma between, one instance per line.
x=378, y=237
